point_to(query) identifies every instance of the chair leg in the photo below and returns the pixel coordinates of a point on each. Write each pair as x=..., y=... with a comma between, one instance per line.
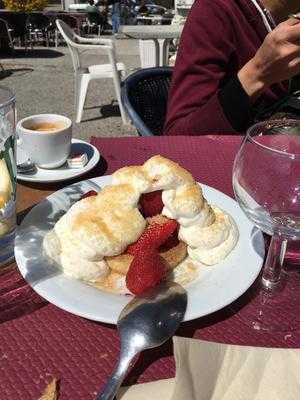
x=165, y=52
x=56, y=37
x=81, y=86
x=118, y=94
x=47, y=39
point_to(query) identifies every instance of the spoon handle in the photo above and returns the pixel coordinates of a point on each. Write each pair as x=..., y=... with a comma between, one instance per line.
x=114, y=382
x=296, y=16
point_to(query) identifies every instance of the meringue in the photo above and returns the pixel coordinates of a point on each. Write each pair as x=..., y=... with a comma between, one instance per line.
x=104, y=225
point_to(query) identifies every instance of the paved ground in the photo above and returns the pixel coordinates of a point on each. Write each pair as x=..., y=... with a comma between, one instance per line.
x=42, y=80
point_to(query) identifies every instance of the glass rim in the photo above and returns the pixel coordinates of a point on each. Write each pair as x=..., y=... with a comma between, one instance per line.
x=10, y=96
x=279, y=121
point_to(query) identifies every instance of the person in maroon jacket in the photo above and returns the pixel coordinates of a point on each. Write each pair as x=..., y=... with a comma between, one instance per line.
x=234, y=59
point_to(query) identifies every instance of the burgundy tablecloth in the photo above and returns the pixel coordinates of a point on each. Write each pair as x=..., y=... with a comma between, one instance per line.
x=39, y=341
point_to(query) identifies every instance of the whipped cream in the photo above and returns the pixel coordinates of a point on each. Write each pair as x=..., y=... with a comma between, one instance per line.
x=209, y=232
x=210, y=244
x=70, y=262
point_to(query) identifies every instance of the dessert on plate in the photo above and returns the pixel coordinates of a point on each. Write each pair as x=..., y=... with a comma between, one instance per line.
x=151, y=223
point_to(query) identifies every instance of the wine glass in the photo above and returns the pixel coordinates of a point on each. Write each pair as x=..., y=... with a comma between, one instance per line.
x=266, y=182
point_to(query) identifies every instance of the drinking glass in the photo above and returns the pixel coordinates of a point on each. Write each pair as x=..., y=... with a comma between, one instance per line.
x=7, y=176
x=266, y=182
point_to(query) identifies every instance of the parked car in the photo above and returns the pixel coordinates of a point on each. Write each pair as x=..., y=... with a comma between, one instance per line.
x=155, y=15
x=153, y=9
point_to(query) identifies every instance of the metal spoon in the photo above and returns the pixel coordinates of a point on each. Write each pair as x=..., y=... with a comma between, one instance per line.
x=296, y=16
x=26, y=167
x=146, y=322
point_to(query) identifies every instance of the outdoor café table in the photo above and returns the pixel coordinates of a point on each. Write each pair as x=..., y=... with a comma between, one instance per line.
x=161, y=35
x=151, y=19
x=40, y=341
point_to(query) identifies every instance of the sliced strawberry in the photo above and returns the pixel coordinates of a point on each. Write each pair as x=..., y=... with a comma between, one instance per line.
x=153, y=237
x=146, y=270
x=171, y=242
x=89, y=194
x=151, y=203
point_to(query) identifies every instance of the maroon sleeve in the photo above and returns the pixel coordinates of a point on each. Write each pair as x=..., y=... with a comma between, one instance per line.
x=205, y=53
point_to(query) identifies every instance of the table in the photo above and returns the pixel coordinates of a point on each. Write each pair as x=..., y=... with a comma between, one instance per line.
x=161, y=35
x=153, y=19
x=40, y=341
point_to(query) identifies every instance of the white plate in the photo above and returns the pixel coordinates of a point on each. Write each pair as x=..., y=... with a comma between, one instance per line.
x=64, y=172
x=216, y=286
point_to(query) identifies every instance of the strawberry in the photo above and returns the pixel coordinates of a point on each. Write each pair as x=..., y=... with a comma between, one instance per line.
x=89, y=194
x=171, y=242
x=153, y=237
x=146, y=270
x=151, y=203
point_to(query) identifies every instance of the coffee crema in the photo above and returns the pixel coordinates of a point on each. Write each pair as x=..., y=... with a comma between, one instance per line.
x=46, y=126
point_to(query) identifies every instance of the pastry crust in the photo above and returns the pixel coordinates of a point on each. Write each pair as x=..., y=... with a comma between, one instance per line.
x=102, y=225
x=173, y=257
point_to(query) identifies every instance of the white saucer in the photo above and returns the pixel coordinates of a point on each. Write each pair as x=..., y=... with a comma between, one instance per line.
x=64, y=172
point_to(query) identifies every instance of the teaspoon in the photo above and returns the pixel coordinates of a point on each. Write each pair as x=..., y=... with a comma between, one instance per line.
x=26, y=167
x=146, y=322
x=296, y=16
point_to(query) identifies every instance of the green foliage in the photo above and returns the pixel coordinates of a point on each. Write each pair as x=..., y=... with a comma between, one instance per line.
x=25, y=5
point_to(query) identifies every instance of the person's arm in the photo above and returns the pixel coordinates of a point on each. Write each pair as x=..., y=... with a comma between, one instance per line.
x=277, y=59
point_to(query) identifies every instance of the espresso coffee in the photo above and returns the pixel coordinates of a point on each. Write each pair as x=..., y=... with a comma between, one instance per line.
x=45, y=126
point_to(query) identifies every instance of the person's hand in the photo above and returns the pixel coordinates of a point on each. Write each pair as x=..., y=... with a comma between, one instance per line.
x=277, y=59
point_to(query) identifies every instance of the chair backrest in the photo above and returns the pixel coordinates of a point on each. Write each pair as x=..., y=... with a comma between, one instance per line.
x=145, y=96
x=5, y=34
x=94, y=18
x=76, y=42
x=3, y=29
x=70, y=20
x=38, y=21
x=70, y=37
x=17, y=22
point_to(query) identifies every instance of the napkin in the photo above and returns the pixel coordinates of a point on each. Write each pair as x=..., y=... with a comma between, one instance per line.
x=215, y=371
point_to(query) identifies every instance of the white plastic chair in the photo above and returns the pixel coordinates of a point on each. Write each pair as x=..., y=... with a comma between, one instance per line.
x=83, y=76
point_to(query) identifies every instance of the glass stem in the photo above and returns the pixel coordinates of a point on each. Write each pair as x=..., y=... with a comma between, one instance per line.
x=274, y=261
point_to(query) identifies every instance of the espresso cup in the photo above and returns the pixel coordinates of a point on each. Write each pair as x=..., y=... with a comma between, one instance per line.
x=46, y=139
